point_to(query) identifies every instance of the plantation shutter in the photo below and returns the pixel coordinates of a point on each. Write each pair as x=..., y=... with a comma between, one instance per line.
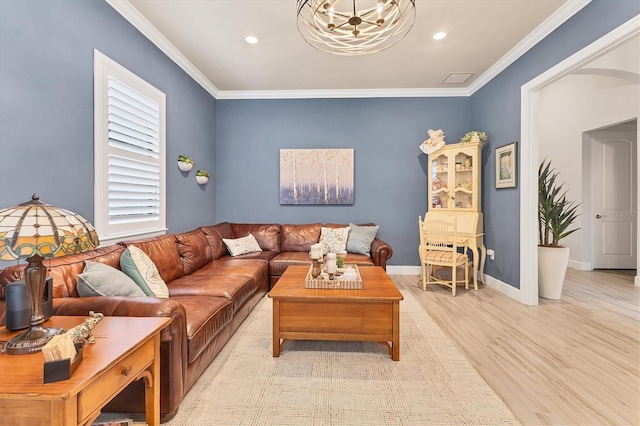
x=130, y=157
x=134, y=152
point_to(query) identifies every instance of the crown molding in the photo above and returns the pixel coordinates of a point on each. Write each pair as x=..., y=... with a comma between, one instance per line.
x=559, y=17
x=341, y=93
x=135, y=18
x=131, y=14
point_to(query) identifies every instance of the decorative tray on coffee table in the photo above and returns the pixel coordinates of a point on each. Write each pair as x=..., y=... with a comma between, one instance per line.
x=338, y=281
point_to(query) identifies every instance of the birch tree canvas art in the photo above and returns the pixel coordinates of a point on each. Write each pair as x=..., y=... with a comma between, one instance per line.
x=316, y=176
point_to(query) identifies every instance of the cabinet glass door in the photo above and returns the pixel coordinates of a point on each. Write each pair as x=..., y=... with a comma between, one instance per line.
x=440, y=182
x=463, y=183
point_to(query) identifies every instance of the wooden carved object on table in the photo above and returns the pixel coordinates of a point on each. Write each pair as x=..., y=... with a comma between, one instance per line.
x=82, y=331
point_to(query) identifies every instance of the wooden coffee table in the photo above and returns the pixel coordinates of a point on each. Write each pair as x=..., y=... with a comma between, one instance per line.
x=126, y=349
x=371, y=314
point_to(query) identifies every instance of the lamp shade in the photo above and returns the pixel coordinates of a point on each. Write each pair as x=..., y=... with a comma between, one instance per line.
x=35, y=228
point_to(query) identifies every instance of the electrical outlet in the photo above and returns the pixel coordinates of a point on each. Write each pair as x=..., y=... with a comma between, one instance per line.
x=491, y=254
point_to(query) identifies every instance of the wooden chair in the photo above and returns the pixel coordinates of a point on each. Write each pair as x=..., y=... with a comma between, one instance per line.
x=438, y=246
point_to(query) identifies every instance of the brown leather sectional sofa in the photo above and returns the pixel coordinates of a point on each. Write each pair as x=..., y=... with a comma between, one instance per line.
x=210, y=293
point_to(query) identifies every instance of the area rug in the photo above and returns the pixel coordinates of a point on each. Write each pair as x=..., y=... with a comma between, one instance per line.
x=342, y=383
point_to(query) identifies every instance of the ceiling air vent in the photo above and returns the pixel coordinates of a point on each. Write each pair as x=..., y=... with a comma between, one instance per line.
x=457, y=77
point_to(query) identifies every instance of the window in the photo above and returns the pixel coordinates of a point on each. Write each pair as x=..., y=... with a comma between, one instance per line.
x=129, y=154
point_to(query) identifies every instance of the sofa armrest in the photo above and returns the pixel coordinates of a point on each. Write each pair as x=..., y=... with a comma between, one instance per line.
x=126, y=307
x=173, y=346
x=381, y=252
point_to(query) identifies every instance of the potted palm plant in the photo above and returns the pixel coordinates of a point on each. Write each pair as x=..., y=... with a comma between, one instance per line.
x=556, y=214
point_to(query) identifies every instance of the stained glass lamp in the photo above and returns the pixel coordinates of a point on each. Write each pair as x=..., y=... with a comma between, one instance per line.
x=35, y=231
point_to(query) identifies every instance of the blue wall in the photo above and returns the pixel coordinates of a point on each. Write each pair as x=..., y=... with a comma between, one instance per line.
x=390, y=176
x=46, y=128
x=496, y=109
x=46, y=107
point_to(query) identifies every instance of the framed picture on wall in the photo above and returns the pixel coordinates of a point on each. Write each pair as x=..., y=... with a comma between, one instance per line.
x=316, y=176
x=506, y=166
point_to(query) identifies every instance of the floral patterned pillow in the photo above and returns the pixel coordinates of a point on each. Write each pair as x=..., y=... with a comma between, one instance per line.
x=334, y=240
x=243, y=245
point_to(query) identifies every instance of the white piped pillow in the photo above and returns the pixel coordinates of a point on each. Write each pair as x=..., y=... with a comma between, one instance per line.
x=242, y=245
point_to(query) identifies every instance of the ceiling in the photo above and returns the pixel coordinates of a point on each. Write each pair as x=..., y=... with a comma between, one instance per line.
x=206, y=38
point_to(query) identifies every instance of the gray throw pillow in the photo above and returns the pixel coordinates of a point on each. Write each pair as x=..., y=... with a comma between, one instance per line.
x=360, y=239
x=99, y=279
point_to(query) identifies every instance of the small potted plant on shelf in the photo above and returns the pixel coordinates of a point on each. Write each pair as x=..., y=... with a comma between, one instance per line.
x=202, y=176
x=555, y=215
x=474, y=136
x=185, y=163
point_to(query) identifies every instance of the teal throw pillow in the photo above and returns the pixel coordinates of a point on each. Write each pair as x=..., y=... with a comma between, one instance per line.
x=99, y=279
x=360, y=239
x=137, y=265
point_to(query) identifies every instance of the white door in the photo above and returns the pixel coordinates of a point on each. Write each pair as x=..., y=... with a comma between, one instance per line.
x=613, y=193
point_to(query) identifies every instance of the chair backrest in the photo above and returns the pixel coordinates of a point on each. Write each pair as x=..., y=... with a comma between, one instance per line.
x=438, y=235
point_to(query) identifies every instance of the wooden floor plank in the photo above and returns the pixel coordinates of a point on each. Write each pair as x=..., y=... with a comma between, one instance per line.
x=574, y=361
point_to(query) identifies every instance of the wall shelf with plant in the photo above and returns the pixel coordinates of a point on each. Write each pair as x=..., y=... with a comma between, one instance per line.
x=202, y=176
x=185, y=163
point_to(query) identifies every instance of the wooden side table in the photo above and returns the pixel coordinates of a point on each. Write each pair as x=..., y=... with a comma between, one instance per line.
x=126, y=349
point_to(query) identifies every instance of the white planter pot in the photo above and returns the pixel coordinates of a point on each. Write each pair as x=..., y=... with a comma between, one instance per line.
x=202, y=179
x=185, y=167
x=552, y=267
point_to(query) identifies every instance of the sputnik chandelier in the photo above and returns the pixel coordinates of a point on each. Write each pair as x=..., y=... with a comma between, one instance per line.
x=354, y=27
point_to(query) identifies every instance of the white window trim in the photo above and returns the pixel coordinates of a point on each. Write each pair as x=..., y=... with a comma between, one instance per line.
x=112, y=233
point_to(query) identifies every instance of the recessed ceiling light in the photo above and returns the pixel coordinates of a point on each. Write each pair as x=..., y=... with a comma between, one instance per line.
x=251, y=39
x=439, y=36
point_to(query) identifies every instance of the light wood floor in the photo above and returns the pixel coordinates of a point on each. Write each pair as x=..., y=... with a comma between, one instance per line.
x=574, y=361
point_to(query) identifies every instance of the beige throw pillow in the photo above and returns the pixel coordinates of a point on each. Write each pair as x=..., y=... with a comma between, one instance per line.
x=334, y=240
x=243, y=245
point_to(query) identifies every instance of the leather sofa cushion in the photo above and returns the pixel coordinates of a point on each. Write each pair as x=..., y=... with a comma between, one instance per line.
x=257, y=255
x=215, y=234
x=255, y=268
x=267, y=235
x=65, y=269
x=194, y=249
x=237, y=288
x=283, y=260
x=299, y=237
x=163, y=252
x=358, y=259
x=206, y=317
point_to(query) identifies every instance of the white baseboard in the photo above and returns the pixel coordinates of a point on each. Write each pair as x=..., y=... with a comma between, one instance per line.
x=580, y=266
x=503, y=287
x=494, y=283
x=403, y=270
x=636, y=281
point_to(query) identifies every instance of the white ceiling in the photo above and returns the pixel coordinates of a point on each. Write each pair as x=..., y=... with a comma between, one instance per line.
x=206, y=37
